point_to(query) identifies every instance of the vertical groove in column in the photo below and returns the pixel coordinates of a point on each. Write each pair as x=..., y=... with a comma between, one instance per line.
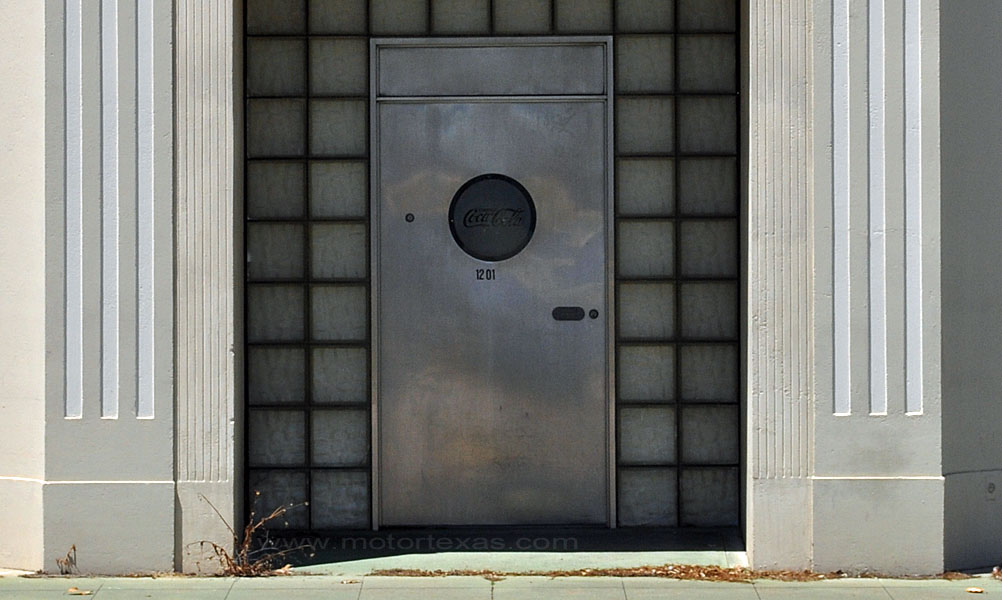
x=216, y=188
x=128, y=205
x=205, y=244
x=757, y=341
x=206, y=278
x=91, y=186
x=229, y=135
x=222, y=213
x=778, y=257
x=894, y=209
x=145, y=251
x=109, y=210
x=840, y=216
x=211, y=201
x=207, y=198
x=201, y=274
x=227, y=211
x=858, y=125
x=913, y=206
x=182, y=165
x=73, y=407
x=807, y=266
x=772, y=218
x=757, y=465
x=876, y=99
x=779, y=252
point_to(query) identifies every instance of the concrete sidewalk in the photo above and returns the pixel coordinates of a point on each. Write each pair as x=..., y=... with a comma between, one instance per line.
x=478, y=588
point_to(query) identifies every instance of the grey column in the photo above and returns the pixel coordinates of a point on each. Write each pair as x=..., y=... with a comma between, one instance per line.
x=844, y=449
x=780, y=317
x=94, y=461
x=878, y=484
x=209, y=289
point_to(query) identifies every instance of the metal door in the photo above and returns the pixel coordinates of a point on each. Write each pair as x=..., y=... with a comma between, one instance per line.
x=492, y=303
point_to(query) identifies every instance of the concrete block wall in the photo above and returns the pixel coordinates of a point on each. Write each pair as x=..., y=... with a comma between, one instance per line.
x=676, y=237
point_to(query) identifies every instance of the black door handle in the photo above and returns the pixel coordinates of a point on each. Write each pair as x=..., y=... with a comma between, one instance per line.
x=568, y=313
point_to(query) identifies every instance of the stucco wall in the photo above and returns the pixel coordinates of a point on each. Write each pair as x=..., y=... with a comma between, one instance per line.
x=86, y=433
x=859, y=473
x=109, y=421
x=22, y=277
x=971, y=86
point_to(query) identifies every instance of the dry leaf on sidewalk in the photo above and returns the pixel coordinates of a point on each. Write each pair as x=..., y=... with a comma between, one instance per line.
x=975, y=590
x=75, y=591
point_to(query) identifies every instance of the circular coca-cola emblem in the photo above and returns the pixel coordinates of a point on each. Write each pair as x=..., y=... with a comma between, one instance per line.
x=492, y=217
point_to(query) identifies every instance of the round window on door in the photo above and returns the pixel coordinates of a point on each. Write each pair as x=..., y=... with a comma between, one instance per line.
x=492, y=217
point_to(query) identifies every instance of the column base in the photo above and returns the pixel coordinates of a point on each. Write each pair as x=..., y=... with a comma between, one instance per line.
x=779, y=523
x=118, y=527
x=892, y=526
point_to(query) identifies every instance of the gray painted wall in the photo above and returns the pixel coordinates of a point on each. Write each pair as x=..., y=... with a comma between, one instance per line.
x=971, y=86
x=870, y=494
x=86, y=300
x=109, y=414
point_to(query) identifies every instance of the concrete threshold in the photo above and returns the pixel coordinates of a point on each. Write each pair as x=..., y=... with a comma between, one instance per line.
x=512, y=550
x=524, y=562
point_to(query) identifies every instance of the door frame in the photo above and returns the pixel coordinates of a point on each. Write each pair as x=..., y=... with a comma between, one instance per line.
x=606, y=41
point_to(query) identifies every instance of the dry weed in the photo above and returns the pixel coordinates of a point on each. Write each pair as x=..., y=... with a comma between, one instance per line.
x=254, y=554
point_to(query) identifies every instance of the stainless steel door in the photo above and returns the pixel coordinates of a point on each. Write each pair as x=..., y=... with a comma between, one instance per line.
x=492, y=405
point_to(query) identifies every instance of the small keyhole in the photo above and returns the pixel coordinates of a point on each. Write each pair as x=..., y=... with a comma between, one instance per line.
x=593, y=313
x=409, y=217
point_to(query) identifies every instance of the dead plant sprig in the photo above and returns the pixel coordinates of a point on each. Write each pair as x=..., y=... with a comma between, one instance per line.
x=254, y=553
x=68, y=564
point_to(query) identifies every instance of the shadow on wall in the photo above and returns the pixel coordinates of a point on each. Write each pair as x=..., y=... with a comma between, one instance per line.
x=970, y=86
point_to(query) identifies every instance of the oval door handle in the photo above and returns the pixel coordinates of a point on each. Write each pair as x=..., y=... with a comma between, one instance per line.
x=568, y=313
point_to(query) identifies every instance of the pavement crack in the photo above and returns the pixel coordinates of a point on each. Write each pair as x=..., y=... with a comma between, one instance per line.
x=229, y=590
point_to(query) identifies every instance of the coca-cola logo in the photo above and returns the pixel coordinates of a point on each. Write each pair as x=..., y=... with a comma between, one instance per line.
x=494, y=217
